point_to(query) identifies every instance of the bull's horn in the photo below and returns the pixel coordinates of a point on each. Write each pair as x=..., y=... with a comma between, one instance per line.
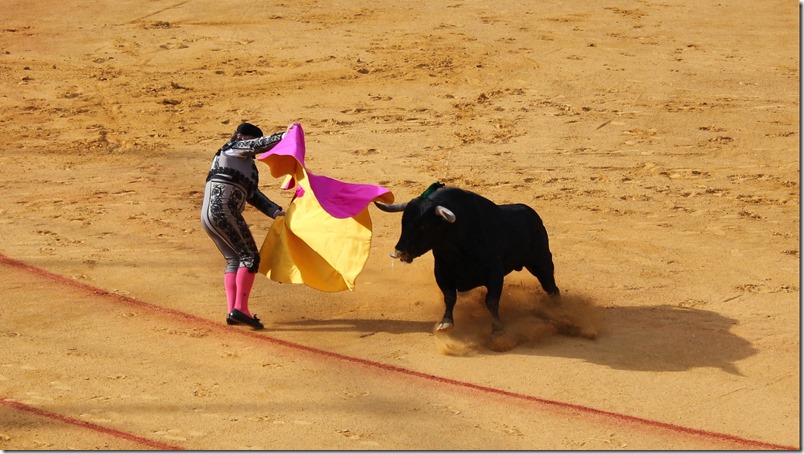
x=448, y=215
x=393, y=208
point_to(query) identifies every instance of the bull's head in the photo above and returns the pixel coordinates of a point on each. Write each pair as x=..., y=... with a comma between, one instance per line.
x=425, y=225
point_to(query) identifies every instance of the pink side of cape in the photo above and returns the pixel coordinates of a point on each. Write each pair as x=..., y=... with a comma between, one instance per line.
x=338, y=198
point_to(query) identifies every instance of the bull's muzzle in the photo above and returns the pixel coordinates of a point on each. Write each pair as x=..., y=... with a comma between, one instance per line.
x=402, y=256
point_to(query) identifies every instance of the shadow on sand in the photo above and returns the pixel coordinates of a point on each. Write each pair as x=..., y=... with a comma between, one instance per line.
x=647, y=338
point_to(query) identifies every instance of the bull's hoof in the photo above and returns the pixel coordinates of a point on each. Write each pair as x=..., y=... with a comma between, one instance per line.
x=555, y=297
x=444, y=326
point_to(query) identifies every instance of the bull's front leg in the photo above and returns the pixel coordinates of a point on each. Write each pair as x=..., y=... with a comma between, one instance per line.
x=446, y=283
x=450, y=297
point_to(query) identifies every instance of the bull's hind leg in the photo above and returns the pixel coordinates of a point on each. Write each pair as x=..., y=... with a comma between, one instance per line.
x=546, y=276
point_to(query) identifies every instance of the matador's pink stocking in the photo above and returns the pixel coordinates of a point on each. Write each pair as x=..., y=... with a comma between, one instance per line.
x=245, y=281
x=230, y=284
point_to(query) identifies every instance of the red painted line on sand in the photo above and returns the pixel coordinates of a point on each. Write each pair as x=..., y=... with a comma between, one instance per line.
x=747, y=443
x=88, y=425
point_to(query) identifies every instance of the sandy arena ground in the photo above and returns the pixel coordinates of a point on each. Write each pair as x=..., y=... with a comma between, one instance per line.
x=659, y=141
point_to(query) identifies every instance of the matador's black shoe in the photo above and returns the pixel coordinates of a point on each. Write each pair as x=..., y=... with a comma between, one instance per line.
x=231, y=321
x=238, y=316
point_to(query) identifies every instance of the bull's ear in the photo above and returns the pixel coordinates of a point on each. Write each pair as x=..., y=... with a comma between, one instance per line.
x=448, y=215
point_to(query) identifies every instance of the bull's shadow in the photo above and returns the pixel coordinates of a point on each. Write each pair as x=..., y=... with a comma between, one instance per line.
x=661, y=338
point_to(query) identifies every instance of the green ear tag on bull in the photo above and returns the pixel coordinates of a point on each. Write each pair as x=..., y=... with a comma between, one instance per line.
x=432, y=188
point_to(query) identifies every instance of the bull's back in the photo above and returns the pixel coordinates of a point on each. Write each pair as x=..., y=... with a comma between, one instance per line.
x=479, y=224
x=487, y=228
x=475, y=239
x=488, y=235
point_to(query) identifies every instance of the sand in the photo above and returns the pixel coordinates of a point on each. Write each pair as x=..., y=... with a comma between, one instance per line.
x=659, y=141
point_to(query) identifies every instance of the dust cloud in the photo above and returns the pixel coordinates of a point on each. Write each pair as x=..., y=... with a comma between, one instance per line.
x=529, y=318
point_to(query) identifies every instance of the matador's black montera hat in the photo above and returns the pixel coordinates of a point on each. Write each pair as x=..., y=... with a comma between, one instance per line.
x=248, y=129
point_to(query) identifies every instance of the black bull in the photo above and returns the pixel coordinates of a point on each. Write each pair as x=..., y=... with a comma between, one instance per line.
x=475, y=242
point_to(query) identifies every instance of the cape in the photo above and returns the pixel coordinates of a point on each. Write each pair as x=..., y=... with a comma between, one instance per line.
x=323, y=241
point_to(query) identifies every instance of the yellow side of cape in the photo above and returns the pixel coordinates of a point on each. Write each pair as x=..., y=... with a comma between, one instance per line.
x=308, y=246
